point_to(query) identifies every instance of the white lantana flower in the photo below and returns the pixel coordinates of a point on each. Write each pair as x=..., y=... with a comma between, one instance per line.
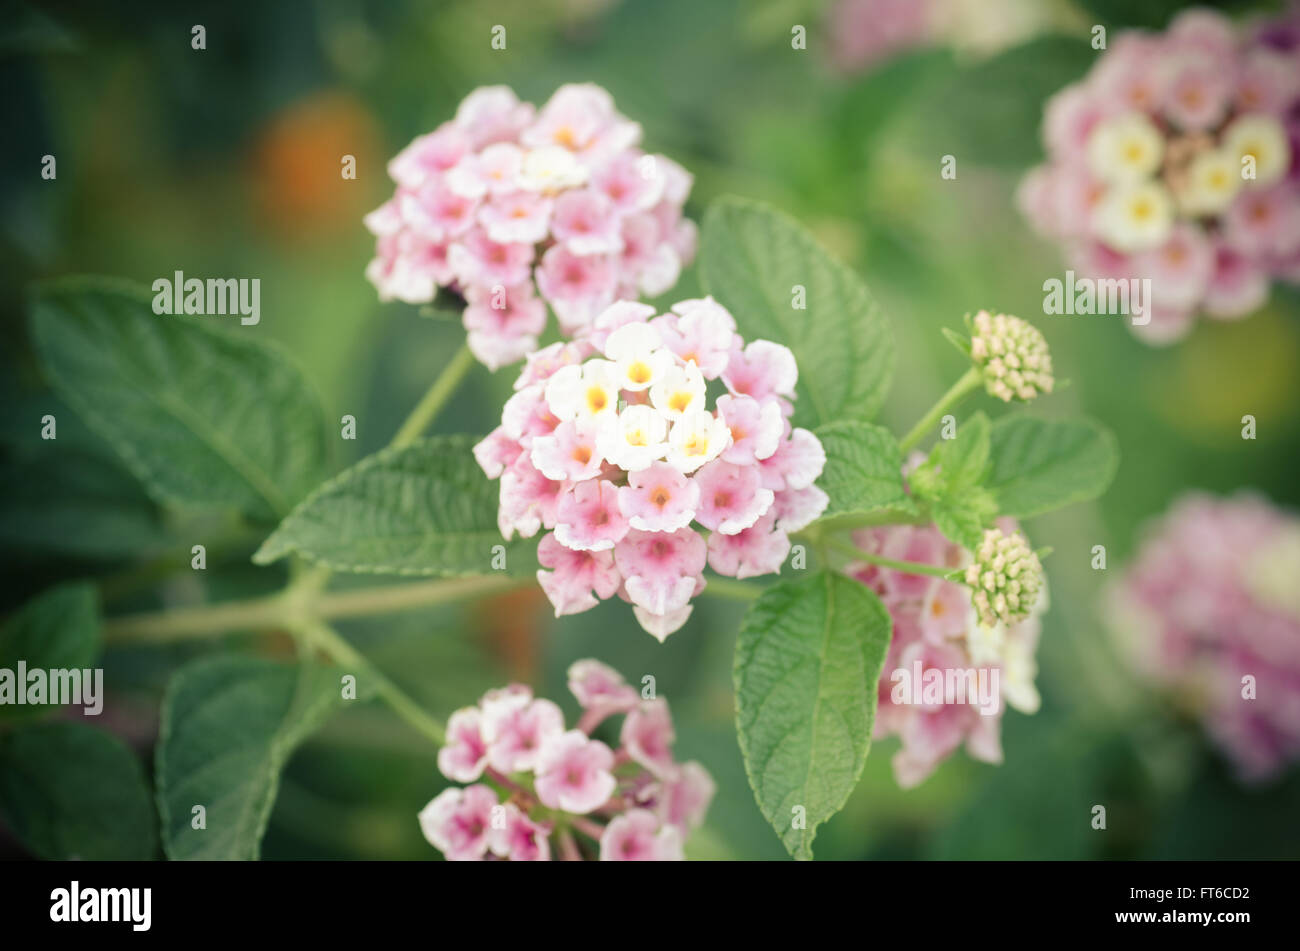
x=550, y=169
x=1125, y=149
x=588, y=393
x=1262, y=137
x=636, y=440
x=1135, y=217
x=698, y=437
x=680, y=391
x=639, y=359
x=1213, y=180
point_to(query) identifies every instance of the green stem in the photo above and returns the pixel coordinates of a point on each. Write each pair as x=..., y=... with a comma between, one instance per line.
x=344, y=654
x=295, y=603
x=308, y=581
x=437, y=395
x=391, y=599
x=176, y=624
x=908, y=567
x=967, y=383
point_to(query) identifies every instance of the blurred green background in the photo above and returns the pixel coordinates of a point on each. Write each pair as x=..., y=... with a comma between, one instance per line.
x=225, y=162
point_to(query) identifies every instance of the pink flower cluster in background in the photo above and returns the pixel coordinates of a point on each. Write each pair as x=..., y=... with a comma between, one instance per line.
x=1210, y=600
x=865, y=33
x=504, y=202
x=1176, y=159
x=935, y=622
x=648, y=802
x=609, y=443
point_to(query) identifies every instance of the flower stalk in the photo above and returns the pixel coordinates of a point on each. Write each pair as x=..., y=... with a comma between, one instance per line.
x=969, y=381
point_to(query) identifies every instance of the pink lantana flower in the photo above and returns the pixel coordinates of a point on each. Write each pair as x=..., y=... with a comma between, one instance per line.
x=1208, y=601
x=639, y=836
x=574, y=773
x=588, y=517
x=458, y=822
x=518, y=838
x=504, y=325
x=661, y=570
x=544, y=769
x=685, y=796
x=515, y=734
x=648, y=736
x=578, y=580
x=610, y=441
x=659, y=498
x=732, y=497
x=561, y=200
x=465, y=754
x=936, y=628
x=598, y=686
x=760, y=549
x=1174, y=161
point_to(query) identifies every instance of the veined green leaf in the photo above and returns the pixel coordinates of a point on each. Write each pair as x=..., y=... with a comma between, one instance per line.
x=1041, y=464
x=754, y=260
x=422, y=509
x=202, y=417
x=808, y=659
x=69, y=791
x=229, y=725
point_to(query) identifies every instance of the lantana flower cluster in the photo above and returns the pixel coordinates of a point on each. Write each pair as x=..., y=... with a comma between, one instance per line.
x=505, y=201
x=610, y=443
x=633, y=803
x=1176, y=159
x=936, y=622
x=1210, y=610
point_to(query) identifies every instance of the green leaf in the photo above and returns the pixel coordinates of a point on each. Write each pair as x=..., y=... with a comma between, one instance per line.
x=229, y=725
x=58, y=629
x=201, y=416
x=950, y=482
x=69, y=791
x=67, y=501
x=963, y=460
x=808, y=659
x=751, y=259
x=422, y=509
x=964, y=518
x=1041, y=464
x=864, y=470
